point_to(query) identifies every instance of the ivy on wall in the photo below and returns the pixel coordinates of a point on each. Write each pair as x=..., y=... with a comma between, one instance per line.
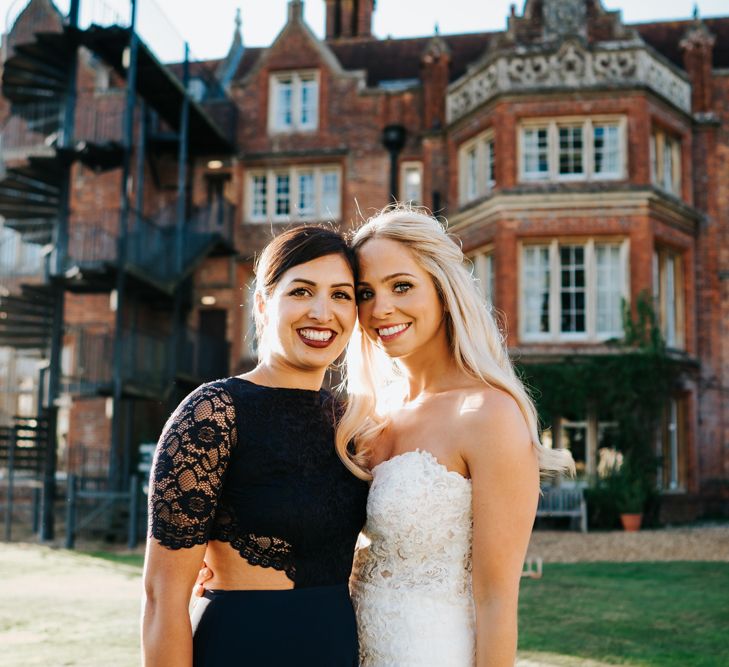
x=629, y=385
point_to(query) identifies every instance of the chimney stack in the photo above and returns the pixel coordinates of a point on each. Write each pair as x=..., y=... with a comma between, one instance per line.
x=349, y=19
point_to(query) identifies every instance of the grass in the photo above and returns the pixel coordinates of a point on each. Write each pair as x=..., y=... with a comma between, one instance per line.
x=135, y=560
x=643, y=614
x=82, y=609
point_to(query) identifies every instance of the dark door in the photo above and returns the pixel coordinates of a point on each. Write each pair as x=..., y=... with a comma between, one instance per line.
x=213, y=348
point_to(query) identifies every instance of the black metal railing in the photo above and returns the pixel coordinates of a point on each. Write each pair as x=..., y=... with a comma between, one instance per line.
x=92, y=243
x=31, y=130
x=146, y=359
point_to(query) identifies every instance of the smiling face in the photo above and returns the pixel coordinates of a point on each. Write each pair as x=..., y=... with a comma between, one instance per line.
x=399, y=306
x=310, y=314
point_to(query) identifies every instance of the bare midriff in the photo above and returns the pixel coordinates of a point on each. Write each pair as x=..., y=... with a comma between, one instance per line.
x=232, y=572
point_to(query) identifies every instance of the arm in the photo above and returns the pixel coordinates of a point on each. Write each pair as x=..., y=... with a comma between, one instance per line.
x=187, y=474
x=505, y=473
x=166, y=629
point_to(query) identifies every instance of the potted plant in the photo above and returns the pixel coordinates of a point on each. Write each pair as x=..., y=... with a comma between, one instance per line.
x=630, y=495
x=618, y=493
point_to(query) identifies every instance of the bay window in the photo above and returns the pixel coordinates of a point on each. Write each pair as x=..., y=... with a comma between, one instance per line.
x=573, y=290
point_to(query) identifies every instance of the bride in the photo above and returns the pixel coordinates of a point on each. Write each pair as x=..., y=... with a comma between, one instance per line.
x=450, y=438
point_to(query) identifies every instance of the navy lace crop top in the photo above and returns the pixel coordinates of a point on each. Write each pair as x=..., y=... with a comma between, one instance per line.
x=255, y=466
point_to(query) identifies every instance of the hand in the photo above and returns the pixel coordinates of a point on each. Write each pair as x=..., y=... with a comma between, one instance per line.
x=205, y=574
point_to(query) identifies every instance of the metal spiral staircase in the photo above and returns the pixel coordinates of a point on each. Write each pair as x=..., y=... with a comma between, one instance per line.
x=52, y=125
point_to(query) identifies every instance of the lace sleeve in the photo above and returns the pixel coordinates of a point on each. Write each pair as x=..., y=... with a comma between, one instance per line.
x=189, y=466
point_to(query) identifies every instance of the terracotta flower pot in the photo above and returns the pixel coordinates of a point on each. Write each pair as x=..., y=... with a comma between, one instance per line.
x=631, y=522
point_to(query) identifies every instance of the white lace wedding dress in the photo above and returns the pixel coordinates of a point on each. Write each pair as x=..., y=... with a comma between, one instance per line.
x=411, y=586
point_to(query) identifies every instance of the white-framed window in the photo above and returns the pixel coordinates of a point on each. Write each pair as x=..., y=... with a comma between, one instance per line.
x=295, y=193
x=671, y=447
x=259, y=195
x=606, y=144
x=411, y=182
x=477, y=159
x=483, y=271
x=665, y=155
x=307, y=193
x=571, y=149
x=282, y=195
x=573, y=289
x=668, y=296
x=581, y=148
x=294, y=101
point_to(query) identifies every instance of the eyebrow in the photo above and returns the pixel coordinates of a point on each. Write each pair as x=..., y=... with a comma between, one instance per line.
x=390, y=277
x=313, y=284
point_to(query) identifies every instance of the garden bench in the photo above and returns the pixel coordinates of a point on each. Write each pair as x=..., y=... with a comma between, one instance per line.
x=557, y=501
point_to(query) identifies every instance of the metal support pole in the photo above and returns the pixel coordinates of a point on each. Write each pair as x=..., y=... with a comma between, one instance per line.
x=61, y=249
x=117, y=380
x=35, y=509
x=133, y=511
x=9, y=498
x=182, y=157
x=71, y=512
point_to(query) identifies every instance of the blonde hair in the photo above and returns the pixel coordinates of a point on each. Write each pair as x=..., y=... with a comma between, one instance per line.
x=375, y=382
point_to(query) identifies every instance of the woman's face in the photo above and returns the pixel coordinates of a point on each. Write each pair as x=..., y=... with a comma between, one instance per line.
x=309, y=316
x=399, y=307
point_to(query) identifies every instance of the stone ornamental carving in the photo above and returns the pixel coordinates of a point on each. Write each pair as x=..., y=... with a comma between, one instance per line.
x=572, y=66
x=564, y=17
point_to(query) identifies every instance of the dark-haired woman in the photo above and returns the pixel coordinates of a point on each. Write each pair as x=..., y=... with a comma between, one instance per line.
x=246, y=476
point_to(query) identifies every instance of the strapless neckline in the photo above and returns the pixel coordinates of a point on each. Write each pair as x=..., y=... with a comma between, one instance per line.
x=426, y=456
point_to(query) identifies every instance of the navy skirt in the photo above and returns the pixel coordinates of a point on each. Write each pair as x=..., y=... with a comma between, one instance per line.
x=304, y=626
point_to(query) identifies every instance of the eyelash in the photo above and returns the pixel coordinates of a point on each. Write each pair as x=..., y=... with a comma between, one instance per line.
x=302, y=291
x=367, y=294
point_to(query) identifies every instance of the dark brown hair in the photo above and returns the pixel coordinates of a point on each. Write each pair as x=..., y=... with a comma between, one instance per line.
x=295, y=246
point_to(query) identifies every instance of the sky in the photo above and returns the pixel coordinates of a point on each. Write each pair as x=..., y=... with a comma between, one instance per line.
x=208, y=24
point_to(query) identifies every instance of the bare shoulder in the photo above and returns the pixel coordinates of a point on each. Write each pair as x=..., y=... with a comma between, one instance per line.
x=491, y=422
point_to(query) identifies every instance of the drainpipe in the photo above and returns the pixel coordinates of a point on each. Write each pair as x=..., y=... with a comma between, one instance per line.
x=393, y=138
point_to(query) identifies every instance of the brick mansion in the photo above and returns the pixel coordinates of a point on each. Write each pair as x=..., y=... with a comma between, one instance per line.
x=582, y=161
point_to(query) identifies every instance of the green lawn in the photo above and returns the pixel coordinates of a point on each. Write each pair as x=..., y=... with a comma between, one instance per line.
x=664, y=614
x=649, y=614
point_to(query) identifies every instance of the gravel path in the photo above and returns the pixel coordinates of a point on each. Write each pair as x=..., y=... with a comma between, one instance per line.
x=708, y=543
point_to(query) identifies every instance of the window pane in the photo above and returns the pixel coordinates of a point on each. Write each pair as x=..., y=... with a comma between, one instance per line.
x=609, y=289
x=536, y=152
x=572, y=289
x=670, y=328
x=668, y=150
x=607, y=150
x=536, y=289
x=306, y=194
x=570, y=150
x=483, y=269
x=412, y=187
x=284, y=97
x=283, y=194
x=259, y=195
x=309, y=102
x=330, y=194
x=471, y=173
x=490, y=164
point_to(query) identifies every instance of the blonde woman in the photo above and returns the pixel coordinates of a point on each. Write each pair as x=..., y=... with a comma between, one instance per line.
x=449, y=436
